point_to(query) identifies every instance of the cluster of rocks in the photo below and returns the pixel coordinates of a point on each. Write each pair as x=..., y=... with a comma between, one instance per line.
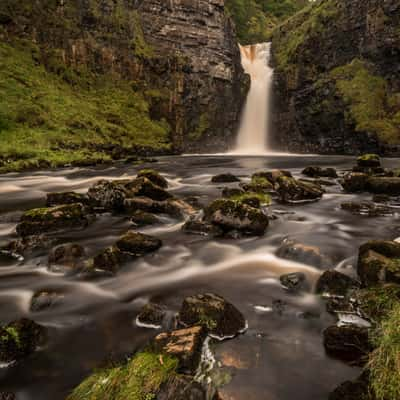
x=201, y=317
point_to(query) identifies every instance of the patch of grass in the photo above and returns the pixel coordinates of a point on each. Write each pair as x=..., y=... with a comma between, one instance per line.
x=384, y=364
x=371, y=106
x=139, y=379
x=44, y=116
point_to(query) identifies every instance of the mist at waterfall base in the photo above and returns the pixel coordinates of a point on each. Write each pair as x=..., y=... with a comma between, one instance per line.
x=253, y=133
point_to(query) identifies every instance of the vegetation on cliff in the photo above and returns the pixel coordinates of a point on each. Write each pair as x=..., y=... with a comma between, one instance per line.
x=256, y=19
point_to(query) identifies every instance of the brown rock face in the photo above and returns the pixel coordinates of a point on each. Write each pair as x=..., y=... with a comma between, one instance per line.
x=185, y=51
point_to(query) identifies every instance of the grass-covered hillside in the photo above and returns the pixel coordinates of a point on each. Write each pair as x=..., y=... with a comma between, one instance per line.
x=61, y=117
x=255, y=19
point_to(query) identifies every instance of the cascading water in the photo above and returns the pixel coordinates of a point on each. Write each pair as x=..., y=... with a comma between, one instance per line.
x=253, y=133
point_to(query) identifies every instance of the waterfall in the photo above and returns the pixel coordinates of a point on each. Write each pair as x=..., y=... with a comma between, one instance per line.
x=253, y=133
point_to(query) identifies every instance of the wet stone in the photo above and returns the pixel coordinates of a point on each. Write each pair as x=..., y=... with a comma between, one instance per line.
x=45, y=299
x=335, y=283
x=218, y=316
x=294, y=282
x=69, y=254
x=137, y=244
x=316, y=172
x=143, y=218
x=225, y=178
x=354, y=182
x=30, y=245
x=61, y=198
x=154, y=177
x=369, y=161
x=292, y=191
x=152, y=315
x=181, y=387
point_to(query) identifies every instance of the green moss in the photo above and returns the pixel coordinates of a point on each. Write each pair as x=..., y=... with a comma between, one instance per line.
x=14, y=334
x=44, y=117
x=202, y=127
x=368, y=157
x=369, y=101
x=141, y=47
x=384, y=362
x=264, y=199
x=139, y=379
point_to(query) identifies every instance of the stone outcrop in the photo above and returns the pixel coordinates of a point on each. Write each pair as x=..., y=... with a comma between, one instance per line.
x=337, y=78
x=182, y=55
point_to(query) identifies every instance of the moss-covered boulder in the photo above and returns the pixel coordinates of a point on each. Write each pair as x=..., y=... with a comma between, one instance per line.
x=354, y=182
x=258, y=184
x=19, y=339
x=145, y=187
x=379, y=262
x=143, y=218
x=151, y=315
x=318, y=172
x=154, y=177
x=335, y=283
x=292, y=191
x=68, y=254
x=348, y=343
x=272, y=175
x=61, y=198
x=369, y=161
x=184, y=344
x=384, y=185
x=43, y=220
x=234, y=216
x=220, y=318
x=137, y=244
x=225, y=178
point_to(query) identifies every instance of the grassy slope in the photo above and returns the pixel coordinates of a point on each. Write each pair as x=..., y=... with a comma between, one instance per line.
x=64, y=118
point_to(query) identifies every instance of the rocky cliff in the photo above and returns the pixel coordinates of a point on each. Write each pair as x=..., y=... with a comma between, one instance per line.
x=175, y=64
x=337, y=81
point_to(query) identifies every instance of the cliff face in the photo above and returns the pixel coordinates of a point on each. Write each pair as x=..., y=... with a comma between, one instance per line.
x=181, y=55
x=337, y=81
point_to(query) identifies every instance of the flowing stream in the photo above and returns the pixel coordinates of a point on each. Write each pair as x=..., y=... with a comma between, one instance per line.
x=280, y=357
x=253, y=133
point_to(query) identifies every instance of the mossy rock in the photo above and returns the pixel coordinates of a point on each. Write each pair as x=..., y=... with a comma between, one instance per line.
x=143, y=218
x=153, y=176
x=292, y=191
x=61, y=198
x=214, y=313
x=145, y=187
x=137, y=244
x=19, y=339
x=42, y=220
x=107, y=195
x=369, y=161
x=259, y=184
x=225, y=178
x=355, y=182
x=230, y=215
x=316, y=172
x=152, y=314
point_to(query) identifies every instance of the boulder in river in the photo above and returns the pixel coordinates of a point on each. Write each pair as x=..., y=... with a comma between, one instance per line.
x=348, y=343
x=353, y=390
x=379, y=262
x=367, y=208
x=68, y=254
x=384, y=185
x=221, y=318
x=19, y=339
x=108, y=259
x=369, y=161
x=231, y=215
x=292, y=191
x=273, y=175
x=335, y=283
x=174, y=207
x=197, y=226
x=184, y=344
x=51, y=219
x=310, y=255
x=143, y=218
x=151, y=315
x=61, y=198
x=145, y=187
x=30, y=245
x=258, y=184
x=108, y=195
x=153, y=176
x=354, y=182
x=318, y=172
x=294, y=282
x=225, y=178
x=45, y=299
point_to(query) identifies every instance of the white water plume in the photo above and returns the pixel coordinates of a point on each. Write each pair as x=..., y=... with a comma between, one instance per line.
x=253, y=133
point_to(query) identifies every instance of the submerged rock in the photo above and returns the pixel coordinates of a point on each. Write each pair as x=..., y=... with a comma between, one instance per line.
x=348, y=343
x=19, y=339
x=45, y=299
x=197, y=226
x=109, y=259
x=310, y=255
x=366, y=208
x=143, y=218
x=316, y=172
x=184, y=344
x=43, y=220
x=61, y=198
x=218, y=316
x=335, y=283
x=230, y=215
x=151, y=315
x=154, y=177
x=69, y=254
x=379, y=262
x=225, y=178
x=292, y=191
x=295, y=281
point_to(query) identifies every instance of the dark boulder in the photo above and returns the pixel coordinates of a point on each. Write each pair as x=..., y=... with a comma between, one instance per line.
x=185, y=344
x=317, y=172
x=292, y=191
x=348, y=343
x=218, y=316
x=30, y=245
x=369, y=161
x=230, y=215
x=43, y=220
x=154, y=177
x=61, y=198
x=173, y=207
x=353, y=390
x=69, y=254
x=384, y=185
x=107, y=195
x=232, y=192
x=137, y=244
x=197, y=226
x=378, y=263
x=145, y=187
x=335, y=283
x=109, y=260
x=225, y=178
x=143, y=218
x=151, y=315
x=19, y=339
x=294, y=282
x=181, y=387
x=45, y=299
x=354, y=182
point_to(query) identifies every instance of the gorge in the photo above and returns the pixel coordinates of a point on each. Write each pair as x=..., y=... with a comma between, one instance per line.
x=183, y=217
